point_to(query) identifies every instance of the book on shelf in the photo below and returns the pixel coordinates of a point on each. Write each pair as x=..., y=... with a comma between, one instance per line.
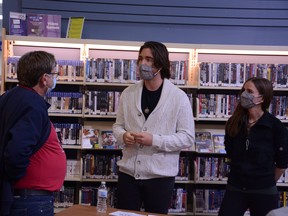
x=70, y=70
x=39, y=25
x=64, y=197
x=90, y=138
x=65, y=102
x=17, y=24
x=68, y=134
x=203, y=141
x=96, y=166
x=101, y=102
x=183, y=170
x=218, y=143
x=217, y=105
x=73, y=168
x=211, y=169
x=215, y=74
x=44, y=25
x=75, y=27
x=208, y=200
x=178, y=202
x=108, y=141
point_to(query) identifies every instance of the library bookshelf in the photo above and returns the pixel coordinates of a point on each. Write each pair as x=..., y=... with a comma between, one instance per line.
x=94, y=71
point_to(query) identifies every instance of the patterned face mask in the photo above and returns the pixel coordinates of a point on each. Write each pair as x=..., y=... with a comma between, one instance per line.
x=247, y=100
x=146, y=72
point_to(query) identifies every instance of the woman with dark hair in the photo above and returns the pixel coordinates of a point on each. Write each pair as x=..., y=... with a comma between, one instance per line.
x=256, y=143
x=154, y=123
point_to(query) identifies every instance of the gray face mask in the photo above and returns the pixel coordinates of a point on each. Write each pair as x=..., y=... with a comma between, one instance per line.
x=146, y=72
x=247, y=100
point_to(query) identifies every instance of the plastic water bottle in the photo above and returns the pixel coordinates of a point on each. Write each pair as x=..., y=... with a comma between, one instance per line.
x=102, y=198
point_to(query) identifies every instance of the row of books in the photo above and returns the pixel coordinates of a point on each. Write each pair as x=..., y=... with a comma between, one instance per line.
x=106, y=103
x=125, y=70
x=105, y=167
x=69, y=70
x=101, y=102
x=88, y=137
x=223, y=105
x=111, y=70
x=68, y=133
x=178, y=203
x=88, y=196
x=64, y=198
x=91, y=137
x=211, y=169
x=97, y=166
x=100, y=166
x=98, y=139
x=102, y=70
x=206, y=142
x=73, y=169
x=65, y=102
x=279, y=107
x=179, y=72
x=235, y=74
x=184, y=169
x=96, y=102
x=216, y=105
x=208, y=200
x=31, y=24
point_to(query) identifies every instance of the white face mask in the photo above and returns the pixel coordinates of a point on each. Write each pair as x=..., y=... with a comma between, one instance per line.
x=53, y=86
x=146, y=72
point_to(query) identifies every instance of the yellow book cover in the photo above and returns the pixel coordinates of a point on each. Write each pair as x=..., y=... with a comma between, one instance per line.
x=75, y=27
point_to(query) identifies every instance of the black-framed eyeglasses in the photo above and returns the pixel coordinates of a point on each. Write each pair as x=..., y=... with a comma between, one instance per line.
x=54, y=74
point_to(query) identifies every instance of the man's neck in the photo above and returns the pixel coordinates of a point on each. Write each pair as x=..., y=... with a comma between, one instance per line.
x=39, y=90
x=154, y=84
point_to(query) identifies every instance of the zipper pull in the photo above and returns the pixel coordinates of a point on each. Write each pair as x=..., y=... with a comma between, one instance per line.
x=247, y=144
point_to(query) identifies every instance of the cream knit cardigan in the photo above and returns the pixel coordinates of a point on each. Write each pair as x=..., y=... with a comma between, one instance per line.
x=171, y=123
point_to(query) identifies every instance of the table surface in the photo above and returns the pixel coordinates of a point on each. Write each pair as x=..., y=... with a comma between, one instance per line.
x=81, y=210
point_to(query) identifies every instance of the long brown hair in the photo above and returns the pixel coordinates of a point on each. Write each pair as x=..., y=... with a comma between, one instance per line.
x=160, y=55
x=239, y=117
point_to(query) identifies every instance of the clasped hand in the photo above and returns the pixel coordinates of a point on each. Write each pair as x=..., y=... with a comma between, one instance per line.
x=142, y=138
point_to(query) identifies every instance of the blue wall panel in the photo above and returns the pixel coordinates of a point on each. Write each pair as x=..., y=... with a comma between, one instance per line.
x=257, y=22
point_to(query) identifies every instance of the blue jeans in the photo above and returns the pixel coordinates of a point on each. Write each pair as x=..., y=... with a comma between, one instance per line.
x=33, y=206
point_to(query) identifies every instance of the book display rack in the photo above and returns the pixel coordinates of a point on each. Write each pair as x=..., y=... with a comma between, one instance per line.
x=92, y=75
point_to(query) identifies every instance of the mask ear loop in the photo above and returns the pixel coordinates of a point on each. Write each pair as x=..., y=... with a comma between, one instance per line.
x=157, y=72
x=259, y=102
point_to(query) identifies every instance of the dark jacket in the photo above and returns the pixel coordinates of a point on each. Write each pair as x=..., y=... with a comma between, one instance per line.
x=24, y=128
x=255, y=155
